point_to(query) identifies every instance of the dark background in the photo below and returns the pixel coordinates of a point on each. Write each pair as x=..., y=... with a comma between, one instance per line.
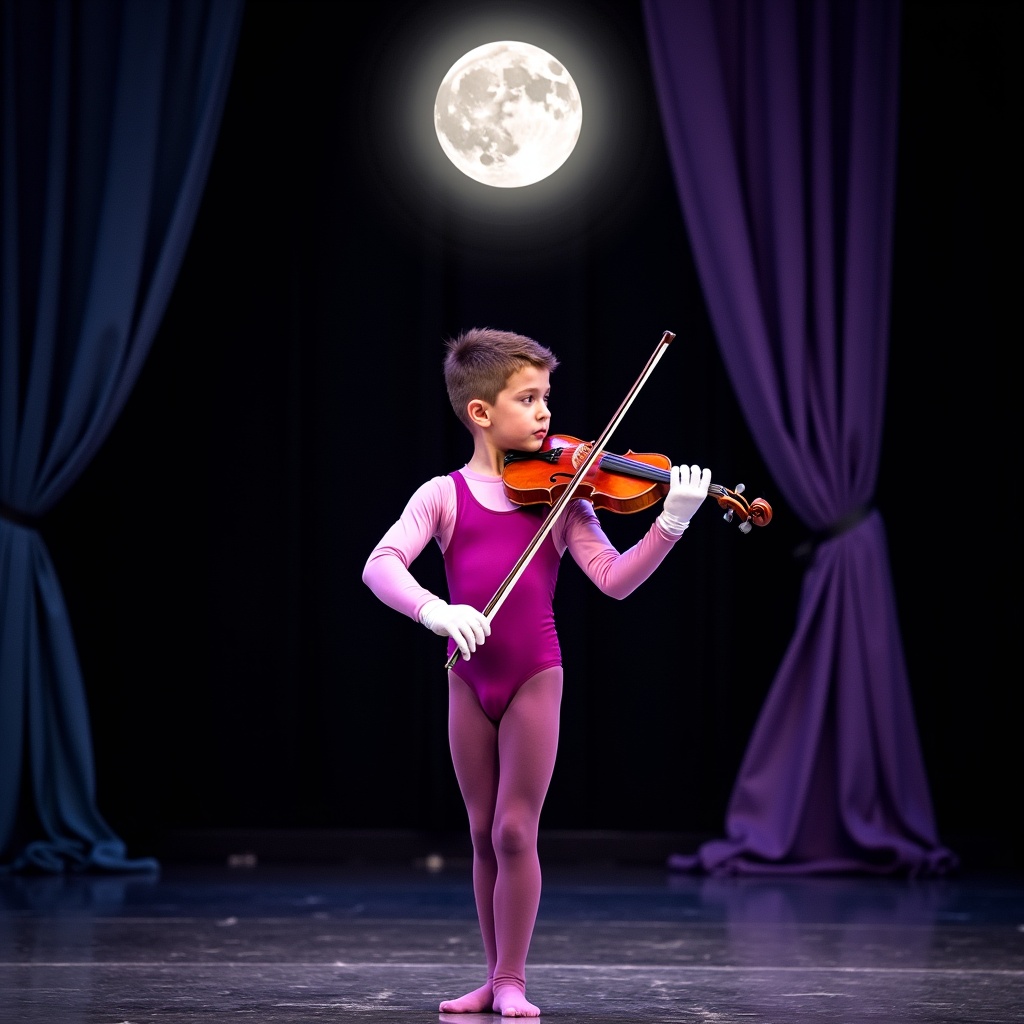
x=239, y=674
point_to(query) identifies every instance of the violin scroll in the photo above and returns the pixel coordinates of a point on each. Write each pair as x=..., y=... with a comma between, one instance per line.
x=751, y=513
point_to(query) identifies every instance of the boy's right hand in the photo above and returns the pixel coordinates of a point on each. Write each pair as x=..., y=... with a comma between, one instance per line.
x=462, y=622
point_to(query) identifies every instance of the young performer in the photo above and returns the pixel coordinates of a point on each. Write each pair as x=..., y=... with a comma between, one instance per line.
x=505, y=691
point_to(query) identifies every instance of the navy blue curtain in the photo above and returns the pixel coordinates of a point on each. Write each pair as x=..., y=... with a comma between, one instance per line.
x=780, y=120
x=110, y=112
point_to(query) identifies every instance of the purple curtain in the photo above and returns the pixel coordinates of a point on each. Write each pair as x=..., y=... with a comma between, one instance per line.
x=780, y=121
x=109, y=110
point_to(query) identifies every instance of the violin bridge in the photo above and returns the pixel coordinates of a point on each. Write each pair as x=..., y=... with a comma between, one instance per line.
x=580, y=453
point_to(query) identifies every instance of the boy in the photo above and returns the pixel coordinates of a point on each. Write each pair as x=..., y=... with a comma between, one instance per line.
x=505, y=693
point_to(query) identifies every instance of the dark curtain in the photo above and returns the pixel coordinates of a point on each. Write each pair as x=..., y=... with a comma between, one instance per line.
x=110, y=113
x=780, y=120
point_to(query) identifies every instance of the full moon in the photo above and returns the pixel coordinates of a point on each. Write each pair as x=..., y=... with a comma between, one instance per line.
x=508, y=114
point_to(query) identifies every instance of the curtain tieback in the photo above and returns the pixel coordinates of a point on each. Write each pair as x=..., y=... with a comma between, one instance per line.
x=12, y=515
x=804, y=551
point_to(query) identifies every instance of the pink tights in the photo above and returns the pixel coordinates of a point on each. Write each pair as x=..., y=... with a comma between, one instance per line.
x=504, y=770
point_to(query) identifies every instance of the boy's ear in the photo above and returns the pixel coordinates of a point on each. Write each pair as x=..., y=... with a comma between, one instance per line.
x=479, y=413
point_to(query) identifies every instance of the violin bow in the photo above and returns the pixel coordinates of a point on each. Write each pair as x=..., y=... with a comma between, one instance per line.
x=559, y=506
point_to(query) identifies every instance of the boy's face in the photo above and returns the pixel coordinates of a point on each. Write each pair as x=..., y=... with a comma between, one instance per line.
x=520, y=417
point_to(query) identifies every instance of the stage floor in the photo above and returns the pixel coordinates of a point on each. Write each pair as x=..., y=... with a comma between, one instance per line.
x=283, y=945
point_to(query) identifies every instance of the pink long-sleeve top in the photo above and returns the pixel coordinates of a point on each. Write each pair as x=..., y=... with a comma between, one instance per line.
x=430, y=515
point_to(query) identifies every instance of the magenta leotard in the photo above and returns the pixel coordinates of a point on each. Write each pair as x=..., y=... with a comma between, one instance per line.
x=523, y=627
x=484, y=549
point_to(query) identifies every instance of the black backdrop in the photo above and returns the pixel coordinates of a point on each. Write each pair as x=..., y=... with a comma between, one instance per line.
x=239, y=674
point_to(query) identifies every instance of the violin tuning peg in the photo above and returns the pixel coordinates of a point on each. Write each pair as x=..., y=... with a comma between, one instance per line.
x=746, y=526
x=739, y=488
x=728, y=515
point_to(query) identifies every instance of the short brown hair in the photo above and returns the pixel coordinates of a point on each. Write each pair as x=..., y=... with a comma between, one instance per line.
x=481, y=360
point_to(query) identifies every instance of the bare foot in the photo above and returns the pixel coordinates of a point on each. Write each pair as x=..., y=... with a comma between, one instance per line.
x=477, y=1001
x=510, y=1002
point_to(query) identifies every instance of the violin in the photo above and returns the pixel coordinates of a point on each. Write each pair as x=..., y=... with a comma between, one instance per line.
x=620, y=483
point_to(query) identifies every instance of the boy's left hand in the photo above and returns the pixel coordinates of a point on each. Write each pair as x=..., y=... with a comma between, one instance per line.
x=686, y=493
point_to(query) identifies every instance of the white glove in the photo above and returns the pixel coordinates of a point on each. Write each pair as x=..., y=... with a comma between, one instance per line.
x=462, y=622
x=686, y=493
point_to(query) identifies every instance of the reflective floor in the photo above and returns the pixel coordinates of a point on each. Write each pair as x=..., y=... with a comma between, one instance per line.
x=612, y=945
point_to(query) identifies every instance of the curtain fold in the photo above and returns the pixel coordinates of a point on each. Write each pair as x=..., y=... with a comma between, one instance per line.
x=780, y=121
x=110, y=115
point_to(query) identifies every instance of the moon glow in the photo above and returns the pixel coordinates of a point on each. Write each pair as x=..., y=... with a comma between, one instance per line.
x=508, y=114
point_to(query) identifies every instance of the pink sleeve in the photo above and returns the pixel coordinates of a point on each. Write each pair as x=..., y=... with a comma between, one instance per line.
x=430, y=514
x=615, y=574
